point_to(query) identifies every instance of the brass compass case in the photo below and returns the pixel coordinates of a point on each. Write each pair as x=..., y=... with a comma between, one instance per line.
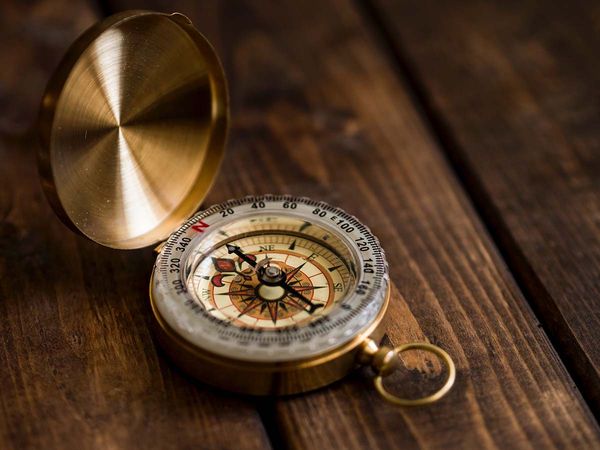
x=133, y=126
x=247, y=346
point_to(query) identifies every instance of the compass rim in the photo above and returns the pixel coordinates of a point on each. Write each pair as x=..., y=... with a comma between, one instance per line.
x=173, y=304
x=265, y=377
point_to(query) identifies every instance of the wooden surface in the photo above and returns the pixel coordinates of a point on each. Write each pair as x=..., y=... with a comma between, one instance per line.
x=322, y=105
x=525, y=136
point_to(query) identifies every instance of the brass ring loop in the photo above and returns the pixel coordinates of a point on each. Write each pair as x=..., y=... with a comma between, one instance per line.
x=450, y=378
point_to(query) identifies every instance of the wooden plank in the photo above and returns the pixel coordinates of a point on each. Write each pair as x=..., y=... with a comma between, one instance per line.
x=515, y=86
x=77, y=363
x=34, y=36
x=318, y=110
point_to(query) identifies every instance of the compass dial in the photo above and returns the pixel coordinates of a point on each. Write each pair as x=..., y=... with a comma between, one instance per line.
x=294, y=280
x=270, y=278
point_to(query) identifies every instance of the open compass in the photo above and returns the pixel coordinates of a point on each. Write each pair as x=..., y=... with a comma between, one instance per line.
x=262, y=295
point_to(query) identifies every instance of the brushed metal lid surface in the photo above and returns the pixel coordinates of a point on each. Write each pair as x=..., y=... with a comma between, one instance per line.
x=133, y=126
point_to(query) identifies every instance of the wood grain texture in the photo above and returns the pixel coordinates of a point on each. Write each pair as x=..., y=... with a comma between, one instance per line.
x=34, y=36
x=78, y=366
x=318, y=110
x=515, y=87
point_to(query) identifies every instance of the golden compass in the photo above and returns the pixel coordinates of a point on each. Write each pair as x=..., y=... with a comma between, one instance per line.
x=261, y=295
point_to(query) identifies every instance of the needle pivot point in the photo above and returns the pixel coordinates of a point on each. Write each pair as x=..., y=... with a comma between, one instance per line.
x=271, y=275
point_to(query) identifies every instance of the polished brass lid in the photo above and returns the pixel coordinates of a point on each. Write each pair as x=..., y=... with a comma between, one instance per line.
x=133, y=126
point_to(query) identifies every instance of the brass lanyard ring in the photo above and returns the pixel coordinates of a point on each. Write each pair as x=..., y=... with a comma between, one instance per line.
x=450, y=377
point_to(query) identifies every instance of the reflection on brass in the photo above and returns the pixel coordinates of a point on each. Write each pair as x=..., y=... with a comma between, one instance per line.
x=133, y=128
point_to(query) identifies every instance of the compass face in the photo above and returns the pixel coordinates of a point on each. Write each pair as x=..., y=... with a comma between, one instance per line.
x=314, y=278
x=270, y=279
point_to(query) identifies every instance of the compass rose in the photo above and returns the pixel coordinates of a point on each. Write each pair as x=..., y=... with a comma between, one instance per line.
x=265, y=286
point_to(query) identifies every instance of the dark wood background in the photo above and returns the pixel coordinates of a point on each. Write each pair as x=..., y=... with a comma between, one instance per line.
x=466, y=134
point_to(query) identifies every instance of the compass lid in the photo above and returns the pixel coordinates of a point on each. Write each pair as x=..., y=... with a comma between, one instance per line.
x=133, y=126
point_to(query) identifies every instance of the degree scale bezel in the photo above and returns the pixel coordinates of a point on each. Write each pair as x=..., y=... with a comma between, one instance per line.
x=209, y=347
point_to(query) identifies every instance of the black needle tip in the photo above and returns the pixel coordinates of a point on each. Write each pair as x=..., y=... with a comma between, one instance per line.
x=238, y=251
x=314, y=307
